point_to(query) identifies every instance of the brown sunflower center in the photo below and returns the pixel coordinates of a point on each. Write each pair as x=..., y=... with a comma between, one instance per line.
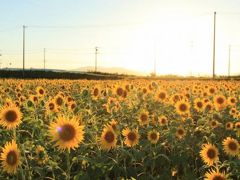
x=232, y=146
x=59, y=101
x=211, y=153
x=218, y=177
x=228, y=125
x=11, y=158
x=35, y=99
x=41, y=91
x=176, y=98
x=131, y=136
x=220, y=100
x=95, y=92
x=109, y=137
x=144, y=90
x=153, y=136
x=208, y=107
x=211, y=90
x=163, y=121
x=67, y=132
x=180, y=131
x=144, y=117
x=162, y=95
x=73, y=106
x=11, y=116
x=51, y=106
x=119, y=91
x=199, y=104
x=183, y=107
x=214, y=123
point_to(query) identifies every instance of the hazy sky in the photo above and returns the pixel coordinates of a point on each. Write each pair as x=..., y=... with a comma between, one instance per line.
x=129, y=33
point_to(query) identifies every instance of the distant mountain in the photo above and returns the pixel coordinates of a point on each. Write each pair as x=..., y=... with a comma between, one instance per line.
x=113, y=70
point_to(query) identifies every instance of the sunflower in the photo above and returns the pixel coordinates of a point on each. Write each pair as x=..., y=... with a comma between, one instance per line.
x=182, y=107
x=10, y=116
x=50, y=107
x=131, y=137
x=237, y=126
x=214, y=123
x=108, y=138
x=66, y=132
x=212, y=90
x=119, y=91
x=143, y=118
x=34, y=99
x=163, y=120
x=59, y=100
x=215, y=175
x=180, y=132
x=95, y=92
x=232, y=111
x=41, y=155
x=208, y=106
x=144, y=90
x=209, y=154
x=161, y=96
x=175, y=98
x=199, y=105
x=40, y=91
x=71, y=106
x=10, y=157
x=231, y=146
x=153, y=136
x=229, y=125
x=220, y=102
x=231, y=101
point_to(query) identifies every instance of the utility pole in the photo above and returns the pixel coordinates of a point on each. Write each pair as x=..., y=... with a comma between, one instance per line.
x=44, y=59
x=24, y=27
x=214, y=34
x=96, y=52
x=229, y=59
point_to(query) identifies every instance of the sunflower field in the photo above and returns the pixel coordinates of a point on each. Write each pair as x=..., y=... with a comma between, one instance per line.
x=119, y=129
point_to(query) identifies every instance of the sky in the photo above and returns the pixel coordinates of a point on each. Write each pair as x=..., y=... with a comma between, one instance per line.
x=177, y=35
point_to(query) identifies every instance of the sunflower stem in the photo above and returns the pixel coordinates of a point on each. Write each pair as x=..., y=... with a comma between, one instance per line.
x=14, y=134
x=28, y=167
x=68, y=164
x=21, y=172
